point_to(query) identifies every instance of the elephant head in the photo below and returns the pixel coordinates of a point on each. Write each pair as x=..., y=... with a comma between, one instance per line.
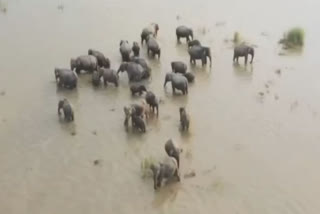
x=207, y=53
x=123, y=41
x=90, y=52
x=251, y=52
x=156, y=29
x=168, y=78
x=61, y=103
x=123, y=67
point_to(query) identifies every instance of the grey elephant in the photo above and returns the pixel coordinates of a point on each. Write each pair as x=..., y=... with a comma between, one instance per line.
x=66, y=78
x=134, y=70
x=137, y=89
x=96, y=78
x=67, y=110
x=178, y=81
x=184, y=119
x=184, y=32
x=86, y=62
x=144, y=64
x=194, y=43
x=152, y=101
x=243, y=51
x=179, y=67
x=200, y=53
x=109, y=75
x=173, y=150
x=153, y=47
x=165, y=170
x=138, y=123
x=102, y=60
x=125, y=50
x=152, y=29
x=138, y=109
x=190, y=77
x=136, y=49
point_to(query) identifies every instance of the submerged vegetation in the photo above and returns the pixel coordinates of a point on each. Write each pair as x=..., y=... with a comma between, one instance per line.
x=145, y=166
x=294, y=38
x=236, y=37
x=3, y=7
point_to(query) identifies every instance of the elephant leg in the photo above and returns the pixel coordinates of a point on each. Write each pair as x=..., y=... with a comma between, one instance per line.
x=186, y=89
x=173, y=89
x=178, y=39
x=142, y=40
x=78, y=70
x=245, y=59
x=105, y=83
x=234, y=57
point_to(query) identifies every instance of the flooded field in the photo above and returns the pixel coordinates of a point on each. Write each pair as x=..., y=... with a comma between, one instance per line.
x=254, y=136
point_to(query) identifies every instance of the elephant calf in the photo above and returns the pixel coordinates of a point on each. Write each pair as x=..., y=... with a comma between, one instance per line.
x=184, y=32
x=137, y=89
x=179, y=67
x=138, y=123
x=243, y=51
x=190, y=76
x=153, y=46
x=66, y=78
x=178, y=81
x=152, y=101
x=173, y=151
x=102, y=60
x=136, y=49
x=152, y=29
x=184, y=119
x=137, y=109
x=166, y=170
x=67, y=110
x=109, y=75
x=125, y=50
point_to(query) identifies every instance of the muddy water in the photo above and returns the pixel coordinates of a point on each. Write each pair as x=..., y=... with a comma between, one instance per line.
x=251, y=153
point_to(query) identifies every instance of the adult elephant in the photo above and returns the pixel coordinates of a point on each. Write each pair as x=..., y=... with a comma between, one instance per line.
x=153, y=46
x=86, y=62
x=102, y=60
x=179, y=67
x=141, y=62
x=125, y=50
x=67, y=110
x=243, y=51
x=178, y=82
x=184, y=32
x=136, y=49
x=193, y=43
x=135, y=71
x=173, y=150
x=152, y=29
x=199, y=53
x=66, y=78
x=109, y=76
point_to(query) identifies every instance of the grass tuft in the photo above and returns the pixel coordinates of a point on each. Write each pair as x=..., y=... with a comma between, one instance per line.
x=294, y=38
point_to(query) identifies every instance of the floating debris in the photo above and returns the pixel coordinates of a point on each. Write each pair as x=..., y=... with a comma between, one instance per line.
x=3, y=7
x=261, y=93
x=190, y=174
x=276, y=97
x=73, y=133
x=178, y=17
x=96, y=162
x=220, y=24
x=113, y=109
x=60, y=7
x=94, y=132
x=2, y=93
x=278, y=71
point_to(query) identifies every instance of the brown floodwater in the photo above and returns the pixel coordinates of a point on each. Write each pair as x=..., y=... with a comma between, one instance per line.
x=254, y=140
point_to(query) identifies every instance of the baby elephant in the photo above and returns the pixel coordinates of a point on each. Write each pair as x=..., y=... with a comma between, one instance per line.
x=190, y=76
x=152, y=101
x=96, y=78
x=137, y=89
x=184, y=119
x=102, y=60
x=109, y=75
x=67, y=110
x=164, y=171
x=138, y=123
x=173, y=151
x=136, y=49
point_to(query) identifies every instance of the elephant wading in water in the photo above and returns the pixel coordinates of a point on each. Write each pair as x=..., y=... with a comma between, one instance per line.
x=184, y=32
x=173, y=150
x=153, y=46
x=190, y=76
x=179, y=67
x=143, y=63
x=66, y=78
x=67, y=110
x=102, y=60
x=243, y=51
x=136, y=113
x=184, y=119
x=87, y=63
x=197, y=52
x=137, y=89
x=125, y=50
x=194, y=43
x=96, y=78
x=150, y=30
x=109, y=75
x=178, y=81
x=136, y=49
x=165, y=170
x=134, y=70
x=152, y=101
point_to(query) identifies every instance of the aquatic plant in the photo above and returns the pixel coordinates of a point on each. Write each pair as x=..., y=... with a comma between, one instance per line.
x=145, y=166
x=294, y=38
x=236, y=37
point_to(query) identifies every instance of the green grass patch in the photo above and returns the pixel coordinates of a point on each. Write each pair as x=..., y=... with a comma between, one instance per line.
x=294, y=38
x=145, y=166
x=236, y=37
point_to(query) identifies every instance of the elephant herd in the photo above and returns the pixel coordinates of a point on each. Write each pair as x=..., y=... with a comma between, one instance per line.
x=137, y=69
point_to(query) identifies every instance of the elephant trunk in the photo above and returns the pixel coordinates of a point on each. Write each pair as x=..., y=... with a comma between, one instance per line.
x=73, y=64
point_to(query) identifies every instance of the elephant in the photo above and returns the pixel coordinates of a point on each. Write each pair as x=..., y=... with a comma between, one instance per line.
x=134, y=70
x=86, y=62
x=184, y=119
x=137, y=89
x=179, y=67
x=152, y=101
x=150, y=30
x=243, y=51
x=96, y=78
x=102, y=60
x=144, y=64
x=67, y=110
x=66, y=78
x=125, y=50
x=190, y=77
x=138, y=123
x=138, y=109
x=194, y=43
x=109, y=75
x=173, y=150
x=136, y=49
x=163, y=171
x=200, y=52
x=184, y=32
x=178, y=81
x=153, y=46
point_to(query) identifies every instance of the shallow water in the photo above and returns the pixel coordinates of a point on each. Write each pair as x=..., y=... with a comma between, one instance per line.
x=251, y=153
